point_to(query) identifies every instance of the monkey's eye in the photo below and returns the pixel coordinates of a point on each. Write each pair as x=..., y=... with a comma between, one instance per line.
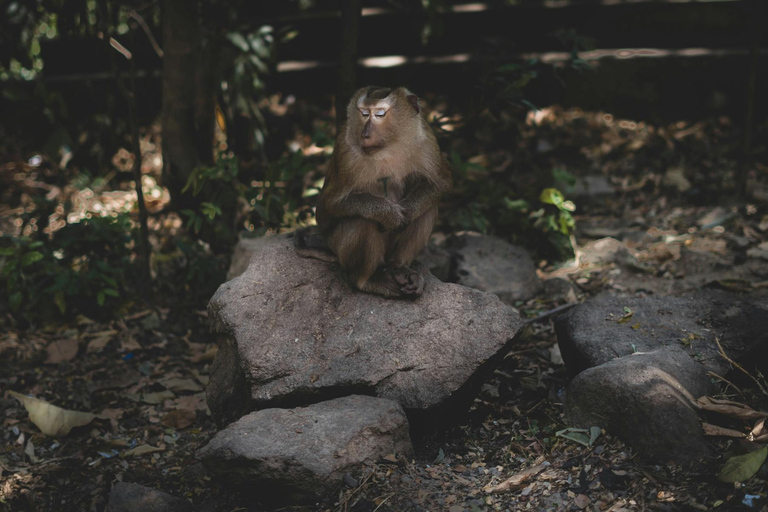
x=365, y=113
x=380, y=112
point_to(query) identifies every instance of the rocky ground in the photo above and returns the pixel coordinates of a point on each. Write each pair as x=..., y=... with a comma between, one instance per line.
x=144, y=375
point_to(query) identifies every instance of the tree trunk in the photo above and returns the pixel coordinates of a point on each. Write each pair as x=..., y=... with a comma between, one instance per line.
x=181, y=47
x=191, y=43
x=350, y=31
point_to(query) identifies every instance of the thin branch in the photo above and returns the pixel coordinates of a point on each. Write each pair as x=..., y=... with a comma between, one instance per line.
x=143, y=24
x=736, y=365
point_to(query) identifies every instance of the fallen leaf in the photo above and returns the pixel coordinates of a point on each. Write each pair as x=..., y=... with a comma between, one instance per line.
x=182, y=385
x=61, y=350
x=582, y=436
x=729, y=408
x=52, y=420
x=759, y=431
x=29, y=450
x=98, y=344
x=741, y=468
x=129, y=344
x=141, y=450
x=517, y=480
x=208, y=355
x=714, y=430
x=157, y=397
x=582, y=501
x=178, y=419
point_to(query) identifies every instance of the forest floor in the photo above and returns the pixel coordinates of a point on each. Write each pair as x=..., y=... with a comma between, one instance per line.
x=145, y=372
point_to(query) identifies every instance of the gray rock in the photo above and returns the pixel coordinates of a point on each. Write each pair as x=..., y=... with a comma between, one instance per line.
x=127, y=497
x=557, y=288
x=647, y=400
x=299, y=455
x=434, y=257
x=244, y=251
x=437, y=260
x=291, y=332
x=590, y=334
x=492, y=265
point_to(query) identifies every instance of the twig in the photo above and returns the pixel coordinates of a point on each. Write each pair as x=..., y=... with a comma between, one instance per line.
x=383, y=502
x=713, y=374
x=143, y=24
x=760, y=386
x=551, y=312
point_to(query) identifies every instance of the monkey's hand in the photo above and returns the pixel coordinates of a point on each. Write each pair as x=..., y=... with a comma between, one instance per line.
x=390, y=217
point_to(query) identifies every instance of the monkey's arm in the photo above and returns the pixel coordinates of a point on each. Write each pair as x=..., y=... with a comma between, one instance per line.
x=423, y=194
x=378, y=209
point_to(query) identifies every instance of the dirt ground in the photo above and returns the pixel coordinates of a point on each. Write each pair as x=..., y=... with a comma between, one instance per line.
x=144, y=373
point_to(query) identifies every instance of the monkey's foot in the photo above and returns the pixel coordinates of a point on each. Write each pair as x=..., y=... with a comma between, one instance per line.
x=411, y=282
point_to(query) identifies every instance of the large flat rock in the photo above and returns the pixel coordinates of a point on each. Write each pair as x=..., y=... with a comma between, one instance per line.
x=646, y=399
x=493, y=265
x=299, y=455
x=291, y=331
x=594, y=332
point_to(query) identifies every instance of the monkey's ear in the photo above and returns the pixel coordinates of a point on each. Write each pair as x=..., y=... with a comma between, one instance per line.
x=414, y=101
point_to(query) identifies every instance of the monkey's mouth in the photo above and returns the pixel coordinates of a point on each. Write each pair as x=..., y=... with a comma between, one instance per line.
x=370, y=145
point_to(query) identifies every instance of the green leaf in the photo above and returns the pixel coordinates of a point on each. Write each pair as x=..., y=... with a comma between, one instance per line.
x=7, y=251
x=238, y=40
x=582, y=436
x=58, y=298
x=516, y=204
x=111, y=292
x=741, y=468
x=100, y=298
x=551, y=196
x=30, y=258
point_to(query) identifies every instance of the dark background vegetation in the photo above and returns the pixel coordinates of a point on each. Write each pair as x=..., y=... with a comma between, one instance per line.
x=139, y=140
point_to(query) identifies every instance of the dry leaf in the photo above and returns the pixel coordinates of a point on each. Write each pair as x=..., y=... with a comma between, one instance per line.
x=729, y=408
x=759, y=432
x=208, y=355
x=178, y=419
x=157, y=397
x=52, y=420
x=141, y=450
x=517, y=480
x=129, y=344
x=714, y=430
x=98, y=344
x=29, y=450
x=61, y=350
x=182, y=385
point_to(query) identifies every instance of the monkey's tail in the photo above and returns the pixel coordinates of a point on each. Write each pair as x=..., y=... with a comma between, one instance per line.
x=309, y=243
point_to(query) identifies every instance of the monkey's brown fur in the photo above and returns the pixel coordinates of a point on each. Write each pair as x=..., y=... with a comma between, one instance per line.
x=379, y=202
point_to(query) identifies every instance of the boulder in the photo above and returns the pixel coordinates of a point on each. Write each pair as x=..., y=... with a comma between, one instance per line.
x=597, y=331
x=493, y=265
x=291, y=331
x=299, y=455
x=644, y=361
x=647, y=400
x=127, y=497
x=434, y=257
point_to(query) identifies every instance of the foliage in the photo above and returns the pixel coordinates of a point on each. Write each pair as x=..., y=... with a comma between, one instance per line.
x=493, y=205
x=82, y=268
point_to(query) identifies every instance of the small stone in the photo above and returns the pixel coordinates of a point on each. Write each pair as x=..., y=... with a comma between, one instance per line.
x=128, y=497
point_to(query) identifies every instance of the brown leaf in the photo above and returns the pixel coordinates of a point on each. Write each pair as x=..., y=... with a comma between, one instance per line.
x=582, y=501
x=729, y=408
x=97, y=344
x=61, y=350
x=141, y=450
x=759, y=431
x=52, y=420
x=181, y=385
x=178, y=419
x=714, y=430
x=517, y=480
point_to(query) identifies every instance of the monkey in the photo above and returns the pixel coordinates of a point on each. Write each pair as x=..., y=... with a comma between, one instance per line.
x=378, y=204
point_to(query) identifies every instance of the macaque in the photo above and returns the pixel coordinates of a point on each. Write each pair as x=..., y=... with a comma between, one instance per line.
x=379, y=203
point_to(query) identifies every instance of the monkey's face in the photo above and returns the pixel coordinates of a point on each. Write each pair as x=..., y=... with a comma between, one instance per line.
x=375, y=132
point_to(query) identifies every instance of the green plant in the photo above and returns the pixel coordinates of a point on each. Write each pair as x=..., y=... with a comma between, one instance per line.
x=81, y=268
